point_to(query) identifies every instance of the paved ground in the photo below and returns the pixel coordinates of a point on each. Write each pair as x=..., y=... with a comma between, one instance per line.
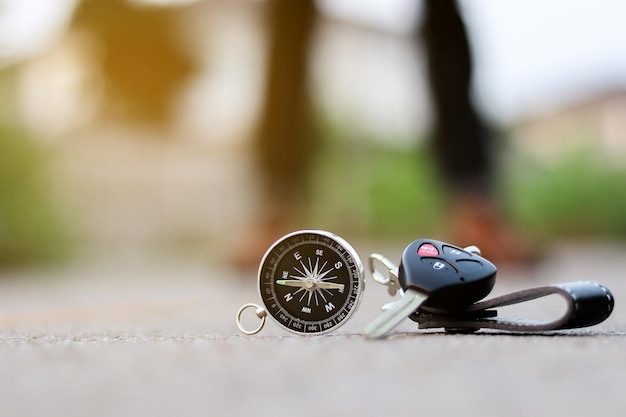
x=142, y=336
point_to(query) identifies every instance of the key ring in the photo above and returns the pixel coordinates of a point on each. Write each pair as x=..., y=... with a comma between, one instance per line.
x=390, y=280
x=260, y=313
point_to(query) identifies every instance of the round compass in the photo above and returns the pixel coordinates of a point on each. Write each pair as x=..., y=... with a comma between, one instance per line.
x=310, y=282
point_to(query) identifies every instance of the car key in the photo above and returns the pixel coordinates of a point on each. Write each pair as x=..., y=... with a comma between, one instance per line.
x=439, y=277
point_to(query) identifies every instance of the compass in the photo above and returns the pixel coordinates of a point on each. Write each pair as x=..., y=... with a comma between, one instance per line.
x=310, y=282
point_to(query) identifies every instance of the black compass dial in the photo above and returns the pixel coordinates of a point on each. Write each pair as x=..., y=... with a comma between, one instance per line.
x=311, y=281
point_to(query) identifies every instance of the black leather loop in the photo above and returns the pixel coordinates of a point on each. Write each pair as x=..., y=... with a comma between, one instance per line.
x=588, y=303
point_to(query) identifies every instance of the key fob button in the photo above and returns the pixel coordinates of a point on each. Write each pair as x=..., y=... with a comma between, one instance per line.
x=468, y=266
x=427, y=249
x=453, y=252
x=439, y=265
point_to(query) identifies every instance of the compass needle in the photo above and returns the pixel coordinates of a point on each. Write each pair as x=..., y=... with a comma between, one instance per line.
x=292, y=283
x=330, y=285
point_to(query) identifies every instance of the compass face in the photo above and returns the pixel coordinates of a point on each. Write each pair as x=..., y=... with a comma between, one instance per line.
x=311, y=281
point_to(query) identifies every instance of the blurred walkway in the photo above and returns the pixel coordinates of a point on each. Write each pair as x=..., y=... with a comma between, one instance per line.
x=133, y=335
x=148, y=188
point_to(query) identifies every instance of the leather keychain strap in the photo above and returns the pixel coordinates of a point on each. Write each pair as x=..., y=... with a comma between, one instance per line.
x=588, y=303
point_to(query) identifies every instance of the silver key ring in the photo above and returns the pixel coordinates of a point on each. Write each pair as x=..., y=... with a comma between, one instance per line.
x=260, y=313
x=390, y=279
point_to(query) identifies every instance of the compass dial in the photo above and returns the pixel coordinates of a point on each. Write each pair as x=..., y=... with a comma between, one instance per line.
x=311, y=281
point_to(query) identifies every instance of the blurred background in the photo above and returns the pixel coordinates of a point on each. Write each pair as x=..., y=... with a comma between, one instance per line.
x=134, y=125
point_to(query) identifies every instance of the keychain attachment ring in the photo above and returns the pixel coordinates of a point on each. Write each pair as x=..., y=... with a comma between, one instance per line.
x=390, y=280
x=260, y=313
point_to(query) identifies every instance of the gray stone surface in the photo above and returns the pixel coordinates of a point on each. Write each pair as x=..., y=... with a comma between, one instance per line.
x=144, y=336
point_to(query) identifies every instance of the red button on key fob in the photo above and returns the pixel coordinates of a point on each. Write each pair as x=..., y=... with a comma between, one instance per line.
x=427, y=250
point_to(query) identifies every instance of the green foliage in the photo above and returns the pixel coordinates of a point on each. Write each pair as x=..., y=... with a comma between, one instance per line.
x=31, y=225
x=578, y=195
x=363, y=186
x=404, y=195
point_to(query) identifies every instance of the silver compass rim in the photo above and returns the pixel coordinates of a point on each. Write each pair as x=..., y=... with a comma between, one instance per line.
x=349, y=249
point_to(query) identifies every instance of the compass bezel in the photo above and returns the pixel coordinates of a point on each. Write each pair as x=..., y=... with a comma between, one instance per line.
x=268, y=275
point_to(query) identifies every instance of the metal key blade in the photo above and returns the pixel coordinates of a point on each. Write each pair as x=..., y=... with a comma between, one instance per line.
x=400, y=310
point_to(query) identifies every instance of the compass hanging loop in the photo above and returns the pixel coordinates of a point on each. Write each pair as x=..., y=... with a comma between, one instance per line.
x=260, y=313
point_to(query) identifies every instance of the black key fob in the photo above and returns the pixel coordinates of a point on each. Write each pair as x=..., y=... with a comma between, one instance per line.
x=452, y=277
